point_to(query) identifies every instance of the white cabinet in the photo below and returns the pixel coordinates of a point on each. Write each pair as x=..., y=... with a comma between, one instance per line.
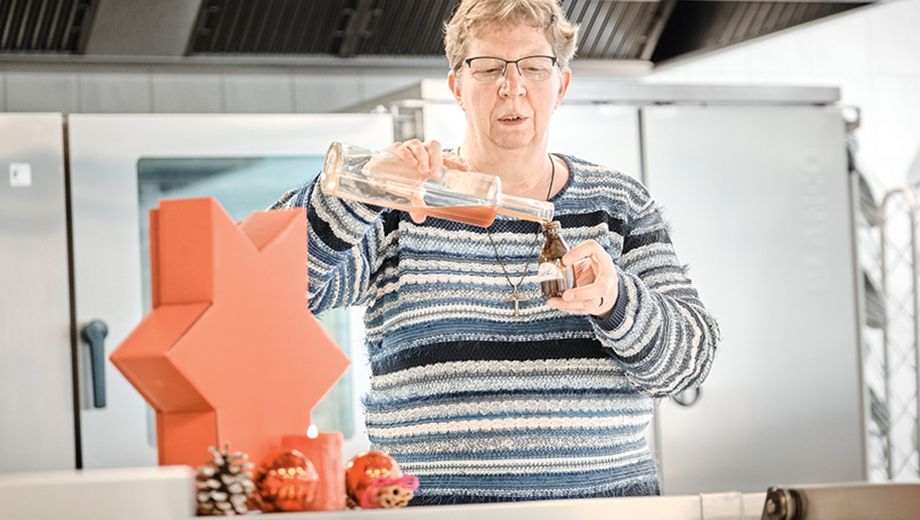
x=759, y=200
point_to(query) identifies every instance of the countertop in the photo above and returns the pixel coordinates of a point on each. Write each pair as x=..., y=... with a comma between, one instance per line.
x=166, y=493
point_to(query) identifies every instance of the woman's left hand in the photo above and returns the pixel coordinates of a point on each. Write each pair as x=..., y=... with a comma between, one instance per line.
x=595, y=291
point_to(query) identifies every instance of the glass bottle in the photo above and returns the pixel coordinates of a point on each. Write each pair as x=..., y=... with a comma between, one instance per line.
x=554, y=276
x=382, y=179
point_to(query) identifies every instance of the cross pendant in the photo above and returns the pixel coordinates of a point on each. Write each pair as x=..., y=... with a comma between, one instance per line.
x=516, y=299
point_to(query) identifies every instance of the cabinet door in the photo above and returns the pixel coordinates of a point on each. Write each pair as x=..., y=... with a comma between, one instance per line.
x=758, y=199
x=123, y=165
x=36, y=386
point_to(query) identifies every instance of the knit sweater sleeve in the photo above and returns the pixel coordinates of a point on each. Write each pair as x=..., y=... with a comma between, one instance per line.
x=659, y=331
x=345, y=244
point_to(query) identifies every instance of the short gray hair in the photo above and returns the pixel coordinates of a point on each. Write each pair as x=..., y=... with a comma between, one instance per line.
x=472, y=16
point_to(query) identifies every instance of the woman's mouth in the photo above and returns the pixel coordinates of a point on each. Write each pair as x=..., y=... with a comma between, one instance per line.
x=512, y=119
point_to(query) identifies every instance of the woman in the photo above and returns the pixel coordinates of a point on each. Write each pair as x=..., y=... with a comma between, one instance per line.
x=481, y=387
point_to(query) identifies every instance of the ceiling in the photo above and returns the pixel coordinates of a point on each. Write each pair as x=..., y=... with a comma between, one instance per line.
x=343, y=31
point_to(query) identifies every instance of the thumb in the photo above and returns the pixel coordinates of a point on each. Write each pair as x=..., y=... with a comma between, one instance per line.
x=452, y=160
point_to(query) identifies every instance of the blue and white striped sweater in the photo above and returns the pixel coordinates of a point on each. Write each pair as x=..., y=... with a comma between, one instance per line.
x=485, y=406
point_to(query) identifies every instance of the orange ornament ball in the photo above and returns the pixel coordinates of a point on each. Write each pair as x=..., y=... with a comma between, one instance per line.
x=363, y=468
x=286, y=481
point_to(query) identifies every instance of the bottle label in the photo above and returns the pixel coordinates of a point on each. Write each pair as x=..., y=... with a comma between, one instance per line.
x=549, y=271
x=555, y=279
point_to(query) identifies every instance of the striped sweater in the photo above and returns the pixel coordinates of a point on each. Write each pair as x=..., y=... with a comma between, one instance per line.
x=484, y=406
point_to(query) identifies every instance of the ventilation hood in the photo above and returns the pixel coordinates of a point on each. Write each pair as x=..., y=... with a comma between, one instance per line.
x=366, y=32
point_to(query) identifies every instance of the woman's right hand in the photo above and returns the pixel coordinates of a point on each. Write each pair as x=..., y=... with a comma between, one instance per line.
x=426, y=160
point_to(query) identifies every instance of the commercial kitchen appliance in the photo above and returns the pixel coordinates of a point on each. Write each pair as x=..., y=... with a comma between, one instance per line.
x=56, y=412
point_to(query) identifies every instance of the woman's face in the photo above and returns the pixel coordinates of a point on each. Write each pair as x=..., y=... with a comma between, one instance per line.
x=510, y=111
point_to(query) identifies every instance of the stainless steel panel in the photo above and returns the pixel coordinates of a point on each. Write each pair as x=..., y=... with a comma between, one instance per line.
x=759, y=202
x=604, y=134
x=376, y=85
x=585, y=89
x=141, y=27
x=185, y=92
x=115, y=92
x=637, y=92
x=36, y=391
x=104, y=151
x=844, y=502
x=42, y=91
x=163, y=493
x=3, y=73
x=327, y=92
x=259, y=93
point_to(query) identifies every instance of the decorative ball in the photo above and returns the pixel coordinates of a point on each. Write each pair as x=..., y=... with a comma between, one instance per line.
x=286, y=481
x=364, y=468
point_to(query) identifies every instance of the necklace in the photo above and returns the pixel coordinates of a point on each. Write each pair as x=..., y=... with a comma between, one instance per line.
x=516, y=296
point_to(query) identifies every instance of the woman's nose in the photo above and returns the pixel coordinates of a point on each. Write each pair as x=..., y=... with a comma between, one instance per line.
x=512, y=83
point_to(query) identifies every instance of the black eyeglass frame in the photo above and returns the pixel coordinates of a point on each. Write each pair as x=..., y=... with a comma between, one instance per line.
x=516, y=62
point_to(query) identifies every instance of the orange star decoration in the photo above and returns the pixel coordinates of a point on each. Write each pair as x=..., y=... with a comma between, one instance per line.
x=230, y=352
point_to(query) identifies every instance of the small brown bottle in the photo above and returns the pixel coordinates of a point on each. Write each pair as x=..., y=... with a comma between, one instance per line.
x=554, y=276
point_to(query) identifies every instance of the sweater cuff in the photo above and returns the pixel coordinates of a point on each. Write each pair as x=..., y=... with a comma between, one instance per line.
x=616, y=316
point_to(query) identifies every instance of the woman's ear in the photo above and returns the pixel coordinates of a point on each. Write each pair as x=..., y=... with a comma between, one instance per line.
x=565, y=78
x=454, y=83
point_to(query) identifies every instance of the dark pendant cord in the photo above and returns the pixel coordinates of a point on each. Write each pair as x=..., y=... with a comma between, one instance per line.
x=501, y=262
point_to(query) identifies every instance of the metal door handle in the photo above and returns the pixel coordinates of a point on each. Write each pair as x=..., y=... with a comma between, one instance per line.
x=94, y=333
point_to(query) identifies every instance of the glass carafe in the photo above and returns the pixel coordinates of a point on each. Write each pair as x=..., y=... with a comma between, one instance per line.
x=383, y=179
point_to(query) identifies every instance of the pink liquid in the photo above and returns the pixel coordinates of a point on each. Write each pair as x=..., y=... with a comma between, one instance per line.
x=474, y=215
x=482, y=216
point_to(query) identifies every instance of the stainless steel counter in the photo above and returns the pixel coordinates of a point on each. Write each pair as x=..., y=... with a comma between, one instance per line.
x=165, y=493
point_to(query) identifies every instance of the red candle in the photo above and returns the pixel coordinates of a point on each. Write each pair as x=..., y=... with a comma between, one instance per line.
x=325, y=452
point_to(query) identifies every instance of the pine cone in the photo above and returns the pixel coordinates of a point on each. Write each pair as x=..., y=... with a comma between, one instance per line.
x=224, y=485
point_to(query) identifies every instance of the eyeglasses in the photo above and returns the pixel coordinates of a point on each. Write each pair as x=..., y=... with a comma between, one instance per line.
x=488, y=68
